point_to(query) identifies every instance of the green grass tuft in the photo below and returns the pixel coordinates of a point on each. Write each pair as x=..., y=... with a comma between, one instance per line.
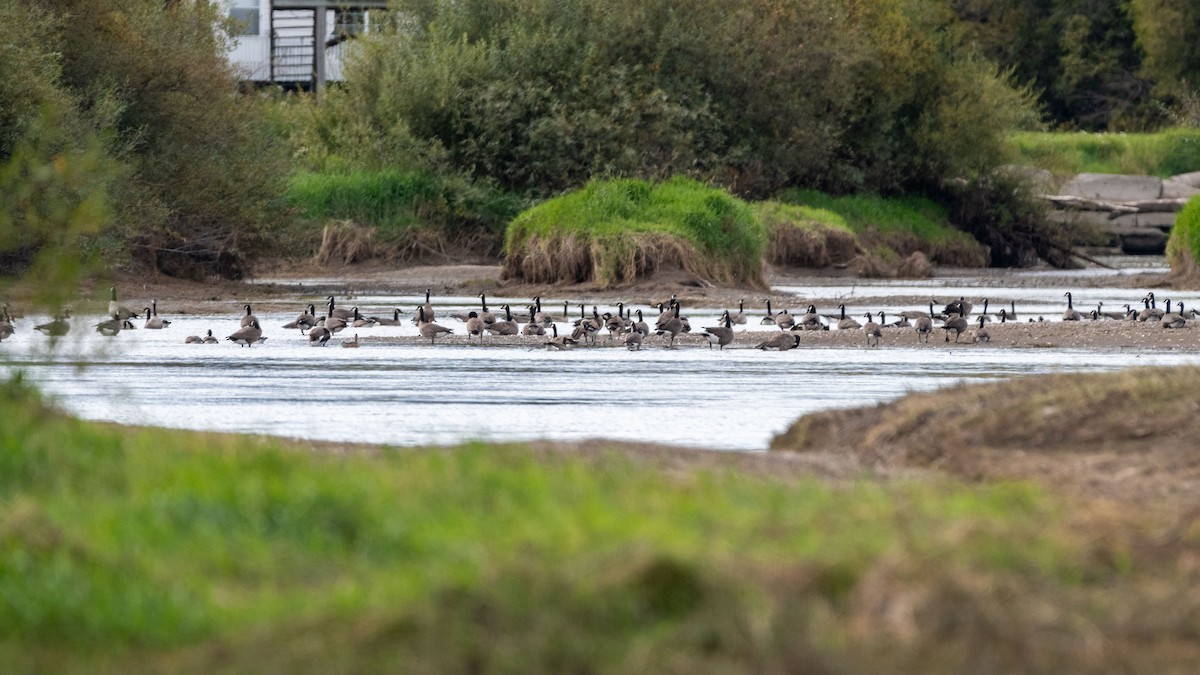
x=1163, y=154
x=619, y=230
x=897, y=226
x=1183, y=248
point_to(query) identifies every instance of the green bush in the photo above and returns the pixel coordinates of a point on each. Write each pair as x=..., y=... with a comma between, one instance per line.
x=617, y=231
x=544, y=95
x=1183, y=248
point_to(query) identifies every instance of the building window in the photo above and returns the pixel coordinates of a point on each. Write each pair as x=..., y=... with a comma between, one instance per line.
x=245, y=14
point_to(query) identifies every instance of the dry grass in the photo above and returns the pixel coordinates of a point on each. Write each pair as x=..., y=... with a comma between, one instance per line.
x=344, y=243
x=1127, y=435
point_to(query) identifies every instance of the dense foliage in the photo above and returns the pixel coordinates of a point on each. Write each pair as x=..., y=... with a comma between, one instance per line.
x=1183, y=248
x=194, y=172
x=542, y=95
x=1097, y=64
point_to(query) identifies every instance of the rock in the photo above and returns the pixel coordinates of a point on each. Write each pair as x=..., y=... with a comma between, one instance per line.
x=1173, y=189
x=1192, y=179
x=1113, y=187
x=1161, y=220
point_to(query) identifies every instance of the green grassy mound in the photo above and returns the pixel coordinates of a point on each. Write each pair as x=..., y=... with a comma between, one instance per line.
x=1183, y=248
x=1163, y=154
x=896, y=228
x=614, y=232
x=400, y=214
x=146, y=550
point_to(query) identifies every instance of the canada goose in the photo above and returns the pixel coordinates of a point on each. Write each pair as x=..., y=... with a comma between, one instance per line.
x=902, y=322
x=1071, y=314
x=616, y=324
x=1151, y=312
x=1012, y=310
x=666, y=313
x=924, y=325
x=486, y=316
x=672, y=325
x=780, y=342
x=318, y=335
x=117, y=310
x=505, y=327
x=248, y=336
x=394, y=321
x=960, y=307
x=984, y=313
x=152, y=320
x=810, y=320
x=591, y=325
x=209, y=339
x=197, y=340
x=740, y=317
x=769, y=319
x=546, y=318
x=474, y=326
x=360, y=321
x=872, y=331
x=338, y=312
x=306, y=320
x=720, y=335
x=333, y=323
x=430, y=317
x=57, y=327
x=633, y=339
x=1111, y=315
x=558, y=342
x=957, y=324
x=113, y=326
x=429, y=329
x=1003, y=315
x=845, y=322
x=534, y=327
x=784, y=320
x=352, y=344
x=981, y=334
x=1171, y=319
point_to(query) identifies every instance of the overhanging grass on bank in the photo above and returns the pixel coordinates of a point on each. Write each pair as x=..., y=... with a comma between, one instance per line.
x=900, y=225
x=617, y=231
x=1165, y=153
x=407, y=211
x=125, y=549
x=1183, y=248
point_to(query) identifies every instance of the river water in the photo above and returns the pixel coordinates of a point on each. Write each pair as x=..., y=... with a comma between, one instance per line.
x=413, y=395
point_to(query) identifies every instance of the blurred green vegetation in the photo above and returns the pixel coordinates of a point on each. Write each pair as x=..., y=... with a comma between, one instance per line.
x=130, y=549
x=1183, y=248
x=1164, y=153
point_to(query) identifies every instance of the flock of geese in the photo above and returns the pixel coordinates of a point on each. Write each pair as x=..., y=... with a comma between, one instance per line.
x=628, y=325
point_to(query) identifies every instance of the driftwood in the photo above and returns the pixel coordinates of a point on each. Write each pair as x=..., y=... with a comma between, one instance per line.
x=1118, y=208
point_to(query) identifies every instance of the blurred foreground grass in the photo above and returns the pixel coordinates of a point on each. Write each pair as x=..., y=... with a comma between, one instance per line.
x=149, y=550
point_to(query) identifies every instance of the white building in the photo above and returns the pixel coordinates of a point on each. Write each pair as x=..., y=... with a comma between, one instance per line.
x=295, y=43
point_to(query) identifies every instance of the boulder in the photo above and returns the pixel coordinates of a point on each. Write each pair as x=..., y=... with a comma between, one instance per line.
x=1161, y=220
x=1192, y=179
x=1113, y=187
x=1174, y=189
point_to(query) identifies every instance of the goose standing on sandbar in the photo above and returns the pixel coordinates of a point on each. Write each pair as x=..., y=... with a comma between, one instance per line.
x=846, y=323
x=307, y=319
x=474, y=326
x=872, y=330
x=720, y=335
x=117, y=310
x=505, y=327
x=958, y=324
x=249, y=317
x=247, y=336
x=1071, y=314
x=1173, y=319
x=924, y=325
x=429, y=329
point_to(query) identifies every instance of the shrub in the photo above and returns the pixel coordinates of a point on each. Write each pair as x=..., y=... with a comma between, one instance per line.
x=1183, y=248
x=617, y=231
